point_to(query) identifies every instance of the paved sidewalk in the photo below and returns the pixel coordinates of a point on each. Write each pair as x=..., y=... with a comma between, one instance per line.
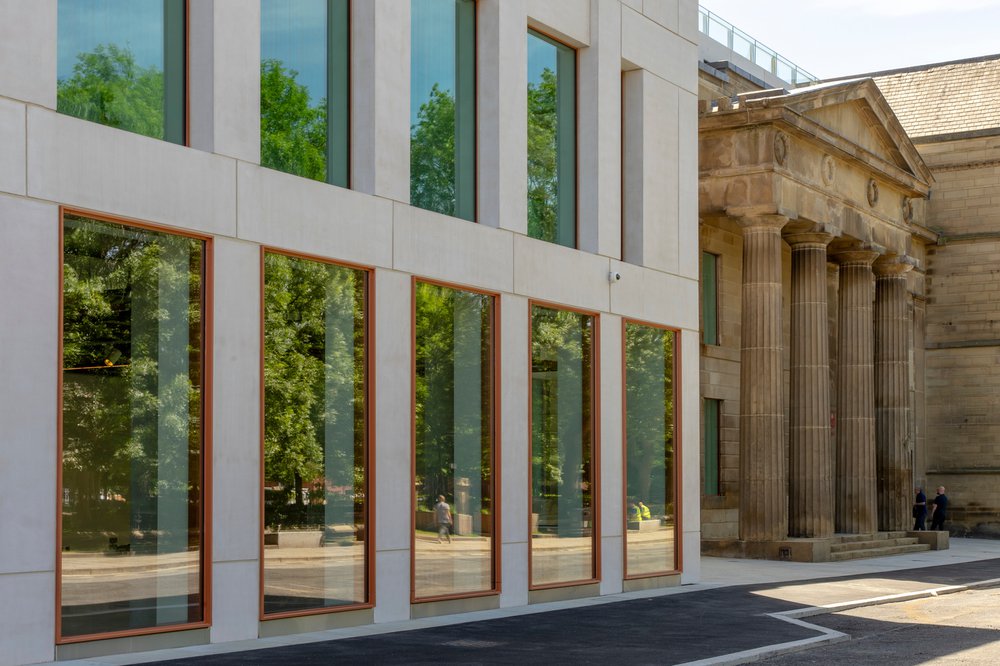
x=742, y=610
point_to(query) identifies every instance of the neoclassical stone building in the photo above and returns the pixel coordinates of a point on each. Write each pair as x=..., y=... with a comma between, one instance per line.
x=849, y=308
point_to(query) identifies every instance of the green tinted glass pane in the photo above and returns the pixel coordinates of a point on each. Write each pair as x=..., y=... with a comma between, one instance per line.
x=709, y=298
x=562, y=432
x=453, y=542
x=304, y=99
x=121, y=63
x=315, y=435
x=711, y=446
x=443, y=106
x=551, y=141
x=651, y=516
x=132, y=437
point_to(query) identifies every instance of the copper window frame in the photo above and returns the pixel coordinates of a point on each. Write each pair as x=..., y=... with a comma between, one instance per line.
x=495, y=458
x=678, y=476
x=369, y=457
x=595, y=444
x=205, y=552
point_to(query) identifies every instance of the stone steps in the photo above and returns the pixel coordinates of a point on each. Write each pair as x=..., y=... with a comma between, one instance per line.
x=871, y=543
x=878, y=552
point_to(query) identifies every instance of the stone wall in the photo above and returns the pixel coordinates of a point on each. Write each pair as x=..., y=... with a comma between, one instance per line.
x=963, y=333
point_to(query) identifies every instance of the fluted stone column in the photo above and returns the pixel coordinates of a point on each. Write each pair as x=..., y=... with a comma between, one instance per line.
x=856, y=488
x=810, y=455
x=763, y=492
x=893, y=445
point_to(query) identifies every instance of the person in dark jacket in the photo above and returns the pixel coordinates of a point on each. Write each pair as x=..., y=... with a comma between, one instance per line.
x=920, y=510
x=939, y=510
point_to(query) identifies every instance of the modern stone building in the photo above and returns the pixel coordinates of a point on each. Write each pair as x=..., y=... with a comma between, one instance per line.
x=846, y=234
x=321, y=313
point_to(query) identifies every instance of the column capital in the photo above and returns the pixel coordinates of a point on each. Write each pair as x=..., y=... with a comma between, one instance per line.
x=808, y=239
x=856, y=254
x=890, y=265
x=761, y=222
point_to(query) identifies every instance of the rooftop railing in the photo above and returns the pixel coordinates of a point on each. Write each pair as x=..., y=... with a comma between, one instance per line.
x=743, y=44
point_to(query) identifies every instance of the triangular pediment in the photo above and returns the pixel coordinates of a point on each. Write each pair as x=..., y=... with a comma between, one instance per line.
x=856, y=112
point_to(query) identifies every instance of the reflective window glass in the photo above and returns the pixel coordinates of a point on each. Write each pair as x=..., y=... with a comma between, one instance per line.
x=650, y=521
x=315, y=435
x=562, y=446
x=443, y=106
x=132, y=441
x=122, y=63
x=551, y=140
x=453, y=547
x=304, y=88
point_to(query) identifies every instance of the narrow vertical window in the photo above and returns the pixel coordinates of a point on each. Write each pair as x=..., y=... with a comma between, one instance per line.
x=562, y=446
x=315, y=436
x=454, y=536
x=443, y=106
x=712, y=416
x=650, y=483
x=709, y=298
x=304, y=88
x=551, y=140
x=121, y=63
x=133, y=451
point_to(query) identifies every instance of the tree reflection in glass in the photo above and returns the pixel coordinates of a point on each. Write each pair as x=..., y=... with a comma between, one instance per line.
x=121, y=64
x=443, y=106
x=562, y=441
x=132, y=435
x=315, y=476
x=454, y=441
x=649, y=450
x=304, y=73
x=551, y=140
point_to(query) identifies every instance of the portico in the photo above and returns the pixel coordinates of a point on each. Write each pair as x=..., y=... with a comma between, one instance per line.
x=822, y=193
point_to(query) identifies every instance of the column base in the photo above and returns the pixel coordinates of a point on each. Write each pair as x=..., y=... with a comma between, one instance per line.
x=837, y=548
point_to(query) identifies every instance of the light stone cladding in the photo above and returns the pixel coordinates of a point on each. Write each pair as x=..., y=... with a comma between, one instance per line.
x=217, y=188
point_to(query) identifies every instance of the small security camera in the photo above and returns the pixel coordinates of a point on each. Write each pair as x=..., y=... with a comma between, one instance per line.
x=614, y=276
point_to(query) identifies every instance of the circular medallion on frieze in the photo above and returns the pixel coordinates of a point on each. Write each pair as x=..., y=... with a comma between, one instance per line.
x=872, y=192
x=780, y=148
x=908, y=209
x=828, y=169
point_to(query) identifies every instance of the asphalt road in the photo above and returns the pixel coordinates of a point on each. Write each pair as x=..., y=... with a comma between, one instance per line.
x=961, y=628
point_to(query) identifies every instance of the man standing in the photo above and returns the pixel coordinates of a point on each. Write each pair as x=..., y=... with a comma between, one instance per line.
x=920, y=510
x=442, y=516
x=939, y=510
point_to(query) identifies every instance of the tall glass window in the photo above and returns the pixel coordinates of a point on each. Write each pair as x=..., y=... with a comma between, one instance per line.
x=551, y=140
x=454, y=513
x=709, y=298
x=122, y=63
x=304, y=88
x=712, y=415
x=131, y=519
x=562, y=446
x=315, y=435
x=443, y=106
x=651, y=525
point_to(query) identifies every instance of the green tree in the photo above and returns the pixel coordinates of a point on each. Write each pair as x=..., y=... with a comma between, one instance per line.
x=543, y=178
x=293, y=132
x=108, y=87
x=432, y=154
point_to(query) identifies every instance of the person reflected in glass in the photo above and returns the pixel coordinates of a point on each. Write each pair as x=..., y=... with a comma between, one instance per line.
x=644, y=513
x=442, y=516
